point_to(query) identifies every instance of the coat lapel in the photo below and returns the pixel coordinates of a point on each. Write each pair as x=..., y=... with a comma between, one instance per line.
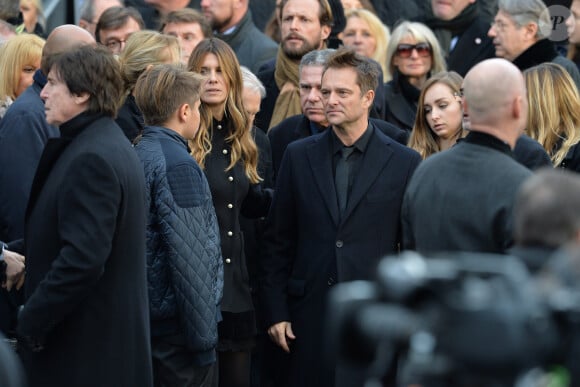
x=320, y=159
x=376, y=157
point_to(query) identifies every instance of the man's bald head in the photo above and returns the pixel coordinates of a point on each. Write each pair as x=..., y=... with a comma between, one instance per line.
x=61, y=39
x=490, y=90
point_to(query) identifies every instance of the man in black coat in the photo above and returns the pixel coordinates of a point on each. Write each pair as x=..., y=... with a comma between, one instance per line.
x=462, y=199
x=23, y=135
x=462, y=33
x=85, y=321
x=313, y=120
x=332, y=217
x=519, y=36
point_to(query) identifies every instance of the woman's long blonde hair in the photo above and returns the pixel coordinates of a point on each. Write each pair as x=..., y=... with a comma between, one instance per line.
x=423, y=139
x=240, y=139
x=554, y=109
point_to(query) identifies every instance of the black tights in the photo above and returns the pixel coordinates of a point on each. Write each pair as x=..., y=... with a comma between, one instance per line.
x=234, y=369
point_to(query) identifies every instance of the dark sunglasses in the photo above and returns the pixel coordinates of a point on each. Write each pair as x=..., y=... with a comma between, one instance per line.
x=405, y=50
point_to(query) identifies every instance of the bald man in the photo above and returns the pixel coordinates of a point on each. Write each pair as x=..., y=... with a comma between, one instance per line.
x=23, y=135
x=462, y=199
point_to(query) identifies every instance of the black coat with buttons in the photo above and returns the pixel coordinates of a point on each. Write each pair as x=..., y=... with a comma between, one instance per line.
x=232, y=195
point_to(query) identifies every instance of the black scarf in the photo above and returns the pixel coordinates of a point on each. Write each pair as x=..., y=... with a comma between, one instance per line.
x=540, y=52
x=445, y=30
x=409, y=91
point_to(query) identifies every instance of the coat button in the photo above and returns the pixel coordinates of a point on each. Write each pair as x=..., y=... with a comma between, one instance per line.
x=230, y=205
x=228, y=260
x=331, y=281
x=230, y=233
x=225, y=151
x=230, y=178
x=339, y=244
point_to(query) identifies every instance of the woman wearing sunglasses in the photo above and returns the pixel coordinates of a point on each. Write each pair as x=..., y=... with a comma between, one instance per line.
x=413, y=54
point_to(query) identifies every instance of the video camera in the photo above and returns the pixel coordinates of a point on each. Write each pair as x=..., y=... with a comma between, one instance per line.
x=464, y=319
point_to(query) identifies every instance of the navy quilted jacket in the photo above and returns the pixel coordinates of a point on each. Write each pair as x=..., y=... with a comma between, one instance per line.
x=184, y=265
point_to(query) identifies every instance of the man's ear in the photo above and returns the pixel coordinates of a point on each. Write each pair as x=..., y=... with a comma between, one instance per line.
x=531, y=29
x=465, y=106
x=81, y=98
x=368, y=99
x=83, y=24
x=517, y=109
x=325, y=32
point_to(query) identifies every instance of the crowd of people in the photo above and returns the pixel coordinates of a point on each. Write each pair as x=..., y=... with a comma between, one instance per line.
x=181, y=188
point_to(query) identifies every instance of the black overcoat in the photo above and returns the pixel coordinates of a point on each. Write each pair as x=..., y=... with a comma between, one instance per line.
x=86, y=289
x=308, y=248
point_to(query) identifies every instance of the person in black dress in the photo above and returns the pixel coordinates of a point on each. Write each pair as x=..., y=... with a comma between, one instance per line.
x=225, y=149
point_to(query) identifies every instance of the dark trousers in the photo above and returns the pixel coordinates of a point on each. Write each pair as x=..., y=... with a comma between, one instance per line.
x=174, y=365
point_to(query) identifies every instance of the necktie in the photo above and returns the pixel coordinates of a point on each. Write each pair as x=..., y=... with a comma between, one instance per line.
x=341, y=177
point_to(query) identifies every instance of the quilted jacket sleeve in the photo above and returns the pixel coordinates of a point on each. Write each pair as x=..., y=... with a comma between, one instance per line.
x=191, y=231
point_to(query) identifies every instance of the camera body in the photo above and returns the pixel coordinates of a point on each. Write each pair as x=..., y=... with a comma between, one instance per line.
x=459, y=319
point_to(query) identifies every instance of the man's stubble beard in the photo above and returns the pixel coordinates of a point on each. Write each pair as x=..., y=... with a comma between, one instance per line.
x=299, y=52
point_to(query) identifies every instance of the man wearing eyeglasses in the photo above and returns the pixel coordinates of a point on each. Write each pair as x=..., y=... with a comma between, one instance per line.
x=521, y=31
x=115, y=26
x=461, y=30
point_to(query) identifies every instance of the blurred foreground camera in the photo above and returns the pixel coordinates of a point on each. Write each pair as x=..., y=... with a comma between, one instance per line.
x=463, y=319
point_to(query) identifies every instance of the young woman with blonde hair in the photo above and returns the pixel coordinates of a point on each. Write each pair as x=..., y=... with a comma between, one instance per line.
x=225, y=149
x=554, y=113
x=439, y=121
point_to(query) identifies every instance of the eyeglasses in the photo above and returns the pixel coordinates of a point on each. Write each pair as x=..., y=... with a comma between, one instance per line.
x=115, y=45
x=406, y=50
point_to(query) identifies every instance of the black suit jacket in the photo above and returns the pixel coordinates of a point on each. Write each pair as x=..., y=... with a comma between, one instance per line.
x=298, y=126
x=86, y=283
x=309, y=246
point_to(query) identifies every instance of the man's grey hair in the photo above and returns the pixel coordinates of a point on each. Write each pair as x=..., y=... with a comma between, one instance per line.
x=252, y=82
x=523, y=12
x=316, y=58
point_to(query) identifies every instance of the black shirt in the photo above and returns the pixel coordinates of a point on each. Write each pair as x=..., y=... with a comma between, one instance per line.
x=355, y=158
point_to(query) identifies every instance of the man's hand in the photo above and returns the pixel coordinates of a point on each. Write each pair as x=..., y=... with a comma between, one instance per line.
x=14, y=270
x=280, y=333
